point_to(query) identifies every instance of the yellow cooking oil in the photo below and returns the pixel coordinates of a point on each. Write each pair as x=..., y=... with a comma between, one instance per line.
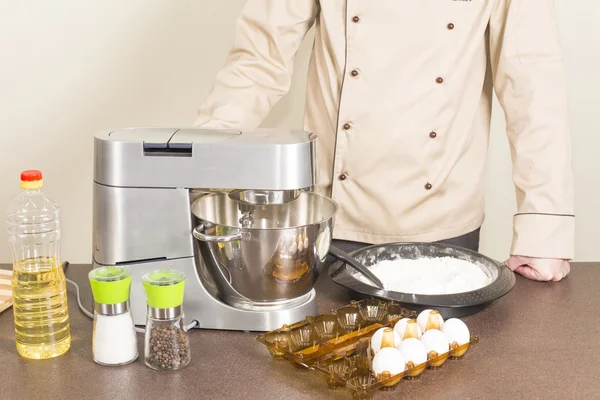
x=40, y=308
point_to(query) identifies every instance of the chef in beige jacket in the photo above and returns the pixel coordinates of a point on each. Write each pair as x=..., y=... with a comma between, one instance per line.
x=400, y=93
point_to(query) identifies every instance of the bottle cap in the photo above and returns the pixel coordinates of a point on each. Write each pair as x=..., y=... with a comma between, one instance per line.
x=164, y=288
x=31, y=179
x=110, y=285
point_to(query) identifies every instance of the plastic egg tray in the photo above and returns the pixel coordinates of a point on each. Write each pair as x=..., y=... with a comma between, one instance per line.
x=337, y=345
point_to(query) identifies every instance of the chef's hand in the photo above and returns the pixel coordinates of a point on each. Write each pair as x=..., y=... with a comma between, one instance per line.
x=539, y=269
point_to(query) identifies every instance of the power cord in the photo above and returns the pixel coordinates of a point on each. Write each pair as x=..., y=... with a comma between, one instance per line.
x=91, y=315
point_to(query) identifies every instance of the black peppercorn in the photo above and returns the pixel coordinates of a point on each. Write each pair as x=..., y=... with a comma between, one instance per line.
x=168, y=347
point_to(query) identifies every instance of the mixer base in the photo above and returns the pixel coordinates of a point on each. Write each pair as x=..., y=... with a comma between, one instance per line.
x=231, y=318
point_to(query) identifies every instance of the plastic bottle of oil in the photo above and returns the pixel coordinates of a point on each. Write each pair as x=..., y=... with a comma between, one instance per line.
x=39, y=285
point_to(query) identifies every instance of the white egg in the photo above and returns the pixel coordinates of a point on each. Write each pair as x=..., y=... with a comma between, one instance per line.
x=300, y=245
x=388, y=359
x=413, y=350
x=456, y=331
x=435, y=340
x=306, y=243
x=430, y=317
x=406, y=327
x=383, y=338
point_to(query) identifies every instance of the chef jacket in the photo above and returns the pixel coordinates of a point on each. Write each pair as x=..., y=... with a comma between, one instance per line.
x=399, y=93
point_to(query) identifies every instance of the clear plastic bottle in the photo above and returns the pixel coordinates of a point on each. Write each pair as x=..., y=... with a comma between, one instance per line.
x=40, y=307
x=166, y=345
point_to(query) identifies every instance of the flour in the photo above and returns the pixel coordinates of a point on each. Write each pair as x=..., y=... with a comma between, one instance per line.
x=428, y=275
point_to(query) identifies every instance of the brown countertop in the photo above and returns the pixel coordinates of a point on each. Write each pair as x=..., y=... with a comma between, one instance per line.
x=540, y=341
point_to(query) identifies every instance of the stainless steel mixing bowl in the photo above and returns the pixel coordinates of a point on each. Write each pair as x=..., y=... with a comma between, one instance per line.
x=263, y=255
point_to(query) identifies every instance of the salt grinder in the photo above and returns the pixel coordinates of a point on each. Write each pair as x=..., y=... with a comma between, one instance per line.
x=166, y=344
x=114, y=339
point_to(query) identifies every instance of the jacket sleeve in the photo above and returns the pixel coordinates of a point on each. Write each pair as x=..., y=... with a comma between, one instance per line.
x=258, y=69
x=529, y=80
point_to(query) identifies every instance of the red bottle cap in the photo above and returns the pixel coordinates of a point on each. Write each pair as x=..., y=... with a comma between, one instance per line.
x=31, y=176
x=31, y=179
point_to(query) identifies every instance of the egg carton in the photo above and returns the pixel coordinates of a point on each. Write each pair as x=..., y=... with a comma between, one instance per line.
x=305, y=342
x=351, y=368
x=338, y=346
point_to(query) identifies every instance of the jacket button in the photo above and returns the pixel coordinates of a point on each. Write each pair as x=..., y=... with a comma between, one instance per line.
x=428, y=186
x=355, y=19
x=347, y=126
x=354, y=73
x=343, y=177
x=433, y=135
x=439, y=80
x=450, y=26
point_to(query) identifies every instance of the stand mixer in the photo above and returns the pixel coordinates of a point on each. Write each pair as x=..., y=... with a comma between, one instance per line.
x=232, y=210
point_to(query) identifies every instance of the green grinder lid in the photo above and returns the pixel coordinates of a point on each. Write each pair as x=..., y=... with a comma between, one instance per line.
x=164, y=288
x=110, y=285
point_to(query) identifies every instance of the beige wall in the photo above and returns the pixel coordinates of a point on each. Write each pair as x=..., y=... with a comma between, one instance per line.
x=71, y=68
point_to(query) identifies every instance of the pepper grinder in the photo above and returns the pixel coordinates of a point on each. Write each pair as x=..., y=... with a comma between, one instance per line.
x=114, y=339
x=166, y=344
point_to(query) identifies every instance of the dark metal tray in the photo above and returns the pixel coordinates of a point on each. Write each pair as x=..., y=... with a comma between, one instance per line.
x=449, y=305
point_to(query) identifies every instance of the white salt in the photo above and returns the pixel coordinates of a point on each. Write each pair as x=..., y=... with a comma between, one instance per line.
x=114, y=341
x=428, y=276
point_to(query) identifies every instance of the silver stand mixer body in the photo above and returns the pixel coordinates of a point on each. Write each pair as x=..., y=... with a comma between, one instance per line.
x=145, y=181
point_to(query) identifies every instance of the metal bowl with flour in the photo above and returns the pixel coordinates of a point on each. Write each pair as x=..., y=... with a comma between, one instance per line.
x=455, y=305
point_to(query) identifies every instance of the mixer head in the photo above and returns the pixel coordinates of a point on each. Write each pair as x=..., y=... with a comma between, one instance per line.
x=264, y=197
x=248, y=199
